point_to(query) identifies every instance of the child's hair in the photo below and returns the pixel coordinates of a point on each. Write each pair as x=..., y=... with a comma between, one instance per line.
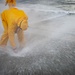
x=13, y=2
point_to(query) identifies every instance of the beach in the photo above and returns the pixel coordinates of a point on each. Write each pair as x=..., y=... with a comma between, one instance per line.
x=50, y=44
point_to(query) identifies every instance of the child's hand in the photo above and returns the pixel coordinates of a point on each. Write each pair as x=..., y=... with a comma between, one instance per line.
x=18, y=29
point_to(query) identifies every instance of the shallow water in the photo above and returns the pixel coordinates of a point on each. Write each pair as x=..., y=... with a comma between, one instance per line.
x=50, y=44
x=44, y=23
x=38, y=25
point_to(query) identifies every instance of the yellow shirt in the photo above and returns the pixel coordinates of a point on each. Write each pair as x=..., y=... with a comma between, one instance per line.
x=12, y=15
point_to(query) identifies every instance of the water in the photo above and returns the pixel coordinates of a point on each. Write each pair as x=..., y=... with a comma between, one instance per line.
x=38, y=18
x=41, y=14
x=50, y=43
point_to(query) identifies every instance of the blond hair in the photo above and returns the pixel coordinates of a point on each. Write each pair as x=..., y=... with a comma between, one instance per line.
x=13, y=2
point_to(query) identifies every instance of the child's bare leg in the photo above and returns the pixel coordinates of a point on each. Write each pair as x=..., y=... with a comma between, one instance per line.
x=11, y=34
x=4, y=39
x=21, y=39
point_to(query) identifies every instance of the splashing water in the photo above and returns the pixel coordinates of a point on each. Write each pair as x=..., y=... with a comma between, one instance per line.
x=44, y=23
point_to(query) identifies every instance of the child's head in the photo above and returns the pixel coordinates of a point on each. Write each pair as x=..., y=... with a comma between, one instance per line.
x=11, y=2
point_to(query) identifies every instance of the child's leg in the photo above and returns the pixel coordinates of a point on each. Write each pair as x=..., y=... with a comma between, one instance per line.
x=4, y=38
x=21, y=39
x=11, y=34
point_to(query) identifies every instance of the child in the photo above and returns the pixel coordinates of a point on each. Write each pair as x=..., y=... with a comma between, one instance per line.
x=14, y=21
